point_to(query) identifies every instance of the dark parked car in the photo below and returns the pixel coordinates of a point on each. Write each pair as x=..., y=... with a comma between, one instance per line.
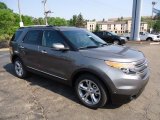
x=99, y=72
x=111, y=37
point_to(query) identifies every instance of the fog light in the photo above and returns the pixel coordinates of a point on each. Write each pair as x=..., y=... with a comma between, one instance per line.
x=126, y=70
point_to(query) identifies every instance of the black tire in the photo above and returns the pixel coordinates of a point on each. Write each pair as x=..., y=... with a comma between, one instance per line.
x=24, y=71
x=104, y=93
x=116, y=42
x=149, y=39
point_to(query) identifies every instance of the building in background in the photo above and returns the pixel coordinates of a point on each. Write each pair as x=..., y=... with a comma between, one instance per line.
x=117, y=25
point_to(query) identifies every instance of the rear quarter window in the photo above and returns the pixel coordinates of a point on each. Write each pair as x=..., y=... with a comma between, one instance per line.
x=16, y=36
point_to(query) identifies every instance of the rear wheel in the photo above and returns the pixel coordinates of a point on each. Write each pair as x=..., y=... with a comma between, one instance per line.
x=19, y=68
x=90, y=91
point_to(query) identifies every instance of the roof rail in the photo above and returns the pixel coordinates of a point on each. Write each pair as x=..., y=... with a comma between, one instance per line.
x=36, y=26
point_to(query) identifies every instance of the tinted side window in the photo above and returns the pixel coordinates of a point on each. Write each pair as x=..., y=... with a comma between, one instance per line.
x=16, y=36
x=50, y=37
x=100, y=33
x=108, y=34
x=33, y=37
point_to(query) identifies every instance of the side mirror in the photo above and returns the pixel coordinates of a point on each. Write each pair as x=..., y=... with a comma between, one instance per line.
x=59, y=47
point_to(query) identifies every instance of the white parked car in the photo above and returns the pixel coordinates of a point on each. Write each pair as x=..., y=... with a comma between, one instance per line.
x=145, y=36
x=149, y=37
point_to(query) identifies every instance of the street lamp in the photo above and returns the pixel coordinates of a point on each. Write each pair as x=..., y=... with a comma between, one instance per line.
x=20, y=17
x=153, y=4
x=46, y=12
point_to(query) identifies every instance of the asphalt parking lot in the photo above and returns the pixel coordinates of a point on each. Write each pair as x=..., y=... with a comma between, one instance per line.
x=38, y=98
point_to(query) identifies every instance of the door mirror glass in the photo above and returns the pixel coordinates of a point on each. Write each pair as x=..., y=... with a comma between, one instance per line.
x=59, y=46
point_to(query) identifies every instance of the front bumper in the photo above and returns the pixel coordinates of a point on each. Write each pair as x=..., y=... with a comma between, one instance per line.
x=123, y=87
x=156, y=39
x=123, y=41
x=125, y=96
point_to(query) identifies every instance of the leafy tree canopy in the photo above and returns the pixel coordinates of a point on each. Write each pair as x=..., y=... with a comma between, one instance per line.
x=3, y=5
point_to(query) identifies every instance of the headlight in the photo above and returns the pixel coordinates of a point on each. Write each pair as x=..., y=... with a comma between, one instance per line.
x=123, y=38
x=127, y=68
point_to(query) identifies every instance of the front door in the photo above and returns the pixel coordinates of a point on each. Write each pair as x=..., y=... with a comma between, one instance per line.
x=53, y=62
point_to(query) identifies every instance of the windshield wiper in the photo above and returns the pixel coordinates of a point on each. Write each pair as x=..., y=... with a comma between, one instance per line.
x=88, y=47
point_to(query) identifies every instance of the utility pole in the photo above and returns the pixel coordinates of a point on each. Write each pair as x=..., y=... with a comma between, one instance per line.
x=153, y=4
x=46, y=12
x=136, y=19
x=20, y=17
x=45, y=15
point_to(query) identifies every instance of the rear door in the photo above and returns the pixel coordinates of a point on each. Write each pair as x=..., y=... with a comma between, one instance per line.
x=29, y=48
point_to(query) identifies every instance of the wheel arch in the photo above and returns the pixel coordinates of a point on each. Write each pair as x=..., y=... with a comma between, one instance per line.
x=149, y=38
x=15, y=56
x=83, y=71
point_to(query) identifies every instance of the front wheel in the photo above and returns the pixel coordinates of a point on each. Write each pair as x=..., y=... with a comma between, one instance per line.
x=149, y=39
x=90, y=91
x=116, y=42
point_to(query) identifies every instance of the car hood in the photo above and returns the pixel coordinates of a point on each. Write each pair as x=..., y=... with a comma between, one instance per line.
x=114, y=53
x=152, y=35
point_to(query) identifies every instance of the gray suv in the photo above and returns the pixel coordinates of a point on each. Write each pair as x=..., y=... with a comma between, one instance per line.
x=99, y=72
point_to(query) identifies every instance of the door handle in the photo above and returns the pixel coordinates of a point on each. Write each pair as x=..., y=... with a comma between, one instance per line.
x=21, y=47
x=44, y=52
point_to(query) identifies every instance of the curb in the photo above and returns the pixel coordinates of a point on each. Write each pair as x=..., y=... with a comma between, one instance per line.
x=155, y=43
x=143, y=42
x=4, y=49
x=138, y=42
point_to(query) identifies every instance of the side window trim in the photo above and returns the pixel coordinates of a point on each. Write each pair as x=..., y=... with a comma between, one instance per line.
x=57, y=32
x=16, y=36
x=25, y=36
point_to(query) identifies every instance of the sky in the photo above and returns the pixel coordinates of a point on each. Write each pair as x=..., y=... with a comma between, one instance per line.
x=90, y=9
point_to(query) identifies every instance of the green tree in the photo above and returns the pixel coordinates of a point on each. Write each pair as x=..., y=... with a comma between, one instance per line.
x=156, y=26
x=3, y=5
x=57, y=21
x=38, y=21
x=80, y=21
x=122, y=18
x=7, y=22
x=73, y=21
x=27, y=20
x=97, y=28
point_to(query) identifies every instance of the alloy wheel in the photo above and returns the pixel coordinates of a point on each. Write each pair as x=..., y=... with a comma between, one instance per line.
x=89, y=92
x=18, y=68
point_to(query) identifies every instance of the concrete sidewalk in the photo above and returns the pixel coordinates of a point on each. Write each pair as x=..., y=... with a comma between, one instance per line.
x=4, y=49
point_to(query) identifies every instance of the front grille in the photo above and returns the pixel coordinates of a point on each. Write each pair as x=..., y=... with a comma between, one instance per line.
x=141, y=68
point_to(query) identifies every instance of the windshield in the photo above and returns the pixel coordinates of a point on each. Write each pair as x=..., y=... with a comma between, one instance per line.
x=112, y=33
x=83, y=39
